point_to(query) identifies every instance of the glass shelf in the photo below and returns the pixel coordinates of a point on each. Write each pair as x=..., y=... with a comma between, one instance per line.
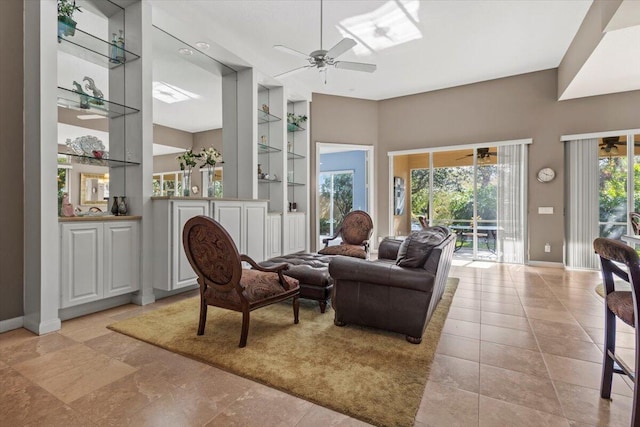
x=266, y=117
x=291, y=127
x=294, y=184
x=93, y=49
x=84, y=159
x=294, y=156
x=268, y=181
x=71, y=99
x=266, y=149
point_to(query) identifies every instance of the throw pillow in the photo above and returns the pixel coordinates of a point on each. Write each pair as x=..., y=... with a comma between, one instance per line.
x=416, y=248
x=355, y=251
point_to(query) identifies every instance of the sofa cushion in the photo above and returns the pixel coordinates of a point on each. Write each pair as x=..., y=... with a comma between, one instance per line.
x=417, y=247
x=356, y=251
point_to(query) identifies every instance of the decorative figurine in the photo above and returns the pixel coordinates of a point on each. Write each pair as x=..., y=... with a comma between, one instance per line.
x=265, y=108
x=84, y=97
x=114, y=49
x=67, y=208
x=263, y=139
x=97, y=93
x=260, y=175
x=122, y=206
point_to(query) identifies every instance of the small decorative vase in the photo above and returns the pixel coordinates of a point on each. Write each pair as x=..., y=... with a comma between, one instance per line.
x=114, y=207
x=211, y=185
x=186, y=182
x=122, y=206
x=66, y=27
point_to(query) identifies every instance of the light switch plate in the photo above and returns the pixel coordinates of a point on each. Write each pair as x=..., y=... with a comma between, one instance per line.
x=545, y=210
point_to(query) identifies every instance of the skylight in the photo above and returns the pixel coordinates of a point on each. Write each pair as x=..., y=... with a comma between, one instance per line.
x=392, y=24
x=171, y=94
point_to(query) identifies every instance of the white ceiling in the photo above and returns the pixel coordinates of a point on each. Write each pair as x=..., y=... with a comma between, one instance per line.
x=460, y=42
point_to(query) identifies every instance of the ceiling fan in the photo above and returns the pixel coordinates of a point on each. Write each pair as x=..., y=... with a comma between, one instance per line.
x=322, y=59
x=483, y=154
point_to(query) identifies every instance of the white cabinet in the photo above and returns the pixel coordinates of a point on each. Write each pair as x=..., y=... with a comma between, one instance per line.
x=98, y=260
x=295, y=232
x=274, y=235
x=172, y=269
x=246, y=222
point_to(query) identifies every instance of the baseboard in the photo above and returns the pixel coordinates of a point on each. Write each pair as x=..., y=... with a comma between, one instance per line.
x=11, y=324
x=143, y=299
x=546, y=264
x=93, y=307
x=41, y=328
x=164, y=294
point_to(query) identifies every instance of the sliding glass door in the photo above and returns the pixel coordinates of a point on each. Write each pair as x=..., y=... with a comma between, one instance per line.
x=336, y=200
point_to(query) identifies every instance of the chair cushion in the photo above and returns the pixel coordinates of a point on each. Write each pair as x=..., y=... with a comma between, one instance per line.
x=356, y=251
x=258, y=285
x=621, y=303
x=417, y=247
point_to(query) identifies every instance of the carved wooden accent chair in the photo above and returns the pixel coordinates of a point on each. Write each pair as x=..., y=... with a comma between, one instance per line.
x=623, y=304
x=355, y=231
x=635, y=222
x=224, y=283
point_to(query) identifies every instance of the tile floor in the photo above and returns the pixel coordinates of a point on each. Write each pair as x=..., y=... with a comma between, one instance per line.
x=521, y=347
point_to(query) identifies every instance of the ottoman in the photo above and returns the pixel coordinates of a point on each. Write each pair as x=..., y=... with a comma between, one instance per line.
x=312, y=271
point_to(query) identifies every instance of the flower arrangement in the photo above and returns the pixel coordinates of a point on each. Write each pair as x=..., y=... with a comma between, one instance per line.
x=210, y=156
x=296, y=119
x=188, y=160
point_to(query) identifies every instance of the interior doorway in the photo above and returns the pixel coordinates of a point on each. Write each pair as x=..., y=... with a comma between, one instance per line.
x=343, y=177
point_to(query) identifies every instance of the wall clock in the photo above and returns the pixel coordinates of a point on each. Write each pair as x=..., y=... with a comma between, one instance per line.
x=546, y=175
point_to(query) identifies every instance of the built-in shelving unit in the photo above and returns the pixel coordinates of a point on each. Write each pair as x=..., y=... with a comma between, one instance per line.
x=270, y=146
x=94, y=49
x=69, y=98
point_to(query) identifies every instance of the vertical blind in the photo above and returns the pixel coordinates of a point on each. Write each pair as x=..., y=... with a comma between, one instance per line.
x=512, y=204
x=581, y=220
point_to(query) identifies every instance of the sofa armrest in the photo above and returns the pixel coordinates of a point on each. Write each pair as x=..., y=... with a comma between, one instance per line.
x=380, y=273
x=388, y=248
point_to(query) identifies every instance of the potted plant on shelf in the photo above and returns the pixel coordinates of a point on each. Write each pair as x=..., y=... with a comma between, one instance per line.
x=210, y=157
x=66, y=24
x=295, y=120
x=187, y=161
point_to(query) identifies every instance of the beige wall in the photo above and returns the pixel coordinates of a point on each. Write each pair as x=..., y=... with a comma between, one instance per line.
x=11, y=160
x=340, y=120
x=523, y=106
x=172, y=137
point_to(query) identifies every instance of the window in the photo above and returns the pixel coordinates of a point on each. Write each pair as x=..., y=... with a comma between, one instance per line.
x=167, y=184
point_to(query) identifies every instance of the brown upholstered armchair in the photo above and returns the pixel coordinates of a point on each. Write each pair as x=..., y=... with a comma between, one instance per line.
x=224, y=283
x=400, y=290
x=634, y=217
x=355, y=231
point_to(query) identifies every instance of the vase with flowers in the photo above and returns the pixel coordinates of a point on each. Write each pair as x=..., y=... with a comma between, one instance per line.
x=210, y=157
x=187, y=161
x=294, y=121
x=66, y=24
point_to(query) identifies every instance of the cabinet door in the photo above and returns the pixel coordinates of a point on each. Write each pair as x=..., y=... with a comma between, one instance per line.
x=81, y=273
x=255, y=230
x=300, y=233
x=122, y=258
x=274, y=236
x=182, y=273
x=229, y=215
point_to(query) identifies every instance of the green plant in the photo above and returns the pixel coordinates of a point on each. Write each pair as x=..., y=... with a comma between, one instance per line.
x=296, y=119
x=188, y=159
x=66, y=8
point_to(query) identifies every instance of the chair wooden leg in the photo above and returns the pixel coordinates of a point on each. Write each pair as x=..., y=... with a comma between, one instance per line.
x=323, y=306
x=296, y=309
x=245, y=328
x=607, y=361
x=203, y=316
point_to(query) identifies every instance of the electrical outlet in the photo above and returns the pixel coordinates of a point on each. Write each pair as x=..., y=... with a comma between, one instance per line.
x=547, y=247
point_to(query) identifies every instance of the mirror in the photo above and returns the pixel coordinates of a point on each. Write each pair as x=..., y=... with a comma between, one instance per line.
x=94, y=189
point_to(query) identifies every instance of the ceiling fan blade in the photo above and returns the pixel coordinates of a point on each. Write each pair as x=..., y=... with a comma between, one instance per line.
x=356, y=66
x=291, y=72
x=290, y=51
x=341, y=47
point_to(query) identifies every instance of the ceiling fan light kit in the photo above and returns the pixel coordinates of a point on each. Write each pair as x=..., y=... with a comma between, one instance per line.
x=322, y=59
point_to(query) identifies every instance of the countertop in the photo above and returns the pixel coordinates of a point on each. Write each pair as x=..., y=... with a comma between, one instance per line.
x=206, y=198
x=99, y=218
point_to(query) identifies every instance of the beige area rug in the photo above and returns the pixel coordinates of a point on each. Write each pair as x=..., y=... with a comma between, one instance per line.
x=368, y=374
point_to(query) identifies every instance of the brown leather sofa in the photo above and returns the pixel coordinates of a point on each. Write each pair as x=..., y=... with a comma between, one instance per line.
x=385, y=295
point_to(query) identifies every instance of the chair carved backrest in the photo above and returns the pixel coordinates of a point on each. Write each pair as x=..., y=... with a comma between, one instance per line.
x=634, y=217
x=356, y=228
x=212, y=254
